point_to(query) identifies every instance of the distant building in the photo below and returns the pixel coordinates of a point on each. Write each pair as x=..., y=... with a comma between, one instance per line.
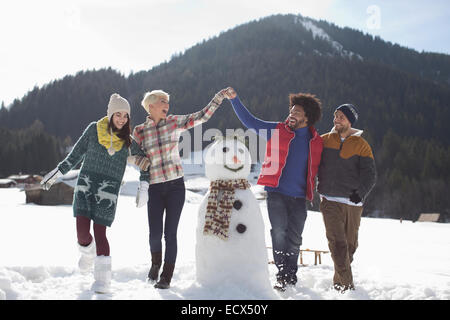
x=7, y=183
x=432, y=217
x=60, y=193
x=24, y=179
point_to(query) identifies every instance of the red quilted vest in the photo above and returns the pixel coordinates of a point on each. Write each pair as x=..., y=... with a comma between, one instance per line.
x=273, y=164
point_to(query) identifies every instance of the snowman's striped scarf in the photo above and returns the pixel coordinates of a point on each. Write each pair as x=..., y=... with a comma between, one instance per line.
x=220, y=204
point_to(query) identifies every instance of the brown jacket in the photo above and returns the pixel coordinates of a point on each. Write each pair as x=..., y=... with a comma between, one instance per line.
x=346, y=166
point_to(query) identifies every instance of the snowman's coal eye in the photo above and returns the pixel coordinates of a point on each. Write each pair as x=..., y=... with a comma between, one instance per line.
x=225, y=149
x=237, y=204
x=241, y=150
x=241, y=228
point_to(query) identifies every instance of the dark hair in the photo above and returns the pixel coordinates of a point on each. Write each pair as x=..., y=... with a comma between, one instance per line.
x=310, y=103
x=123, y=133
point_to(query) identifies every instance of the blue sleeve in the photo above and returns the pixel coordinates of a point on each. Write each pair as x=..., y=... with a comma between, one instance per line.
x=250, y=121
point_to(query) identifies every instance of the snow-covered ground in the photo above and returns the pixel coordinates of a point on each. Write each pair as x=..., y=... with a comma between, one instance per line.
x=38, y=255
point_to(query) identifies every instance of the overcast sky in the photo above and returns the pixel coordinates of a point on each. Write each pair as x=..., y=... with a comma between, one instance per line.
x=43, y=40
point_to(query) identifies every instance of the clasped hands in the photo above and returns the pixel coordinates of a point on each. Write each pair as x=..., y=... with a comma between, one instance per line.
x=228, y=93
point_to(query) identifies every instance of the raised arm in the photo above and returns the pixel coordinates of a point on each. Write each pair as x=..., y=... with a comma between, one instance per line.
x=189, y=121
x=247, y=119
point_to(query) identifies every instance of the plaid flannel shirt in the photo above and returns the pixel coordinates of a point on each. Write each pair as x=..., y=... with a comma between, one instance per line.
x=160, y=141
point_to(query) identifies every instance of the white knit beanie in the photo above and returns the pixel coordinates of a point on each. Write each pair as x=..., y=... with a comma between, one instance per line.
x=117, y=104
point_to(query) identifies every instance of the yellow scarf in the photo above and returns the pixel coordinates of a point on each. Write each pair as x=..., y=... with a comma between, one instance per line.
x=104, y=136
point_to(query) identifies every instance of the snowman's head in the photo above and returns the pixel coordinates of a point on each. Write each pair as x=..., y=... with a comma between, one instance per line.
x=227, y=158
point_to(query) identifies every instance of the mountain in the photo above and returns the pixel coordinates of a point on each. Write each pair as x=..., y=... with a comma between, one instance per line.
x=66, y=106
x=403, y=97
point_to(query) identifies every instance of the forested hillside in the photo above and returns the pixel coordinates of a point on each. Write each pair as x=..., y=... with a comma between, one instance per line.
x=403, y=98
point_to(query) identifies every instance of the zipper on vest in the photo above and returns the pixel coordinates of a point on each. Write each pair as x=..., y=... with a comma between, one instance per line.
x=309, y=174
x=285, y=160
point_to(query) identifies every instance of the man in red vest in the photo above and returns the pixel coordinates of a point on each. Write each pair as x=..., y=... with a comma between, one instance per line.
x=293, y=154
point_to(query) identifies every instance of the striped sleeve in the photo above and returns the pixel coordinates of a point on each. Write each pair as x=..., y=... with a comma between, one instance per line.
x=138, y=134
x=189, y=121
x=138, y=156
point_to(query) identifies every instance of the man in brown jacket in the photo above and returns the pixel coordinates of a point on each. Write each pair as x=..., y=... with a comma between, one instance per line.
x=347, y=173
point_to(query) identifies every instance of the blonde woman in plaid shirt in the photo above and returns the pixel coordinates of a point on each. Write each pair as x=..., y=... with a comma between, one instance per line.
x=162, y=187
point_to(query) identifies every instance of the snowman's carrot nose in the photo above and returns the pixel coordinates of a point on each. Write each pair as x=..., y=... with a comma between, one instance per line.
x=236, y=160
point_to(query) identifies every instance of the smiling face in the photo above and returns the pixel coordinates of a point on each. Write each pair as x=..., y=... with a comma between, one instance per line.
x=297, y=118
x=227, y=159
x=341, y=123
x=119, y=119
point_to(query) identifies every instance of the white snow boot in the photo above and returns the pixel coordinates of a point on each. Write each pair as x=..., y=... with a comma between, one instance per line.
x=88, y=254
x=102, y=274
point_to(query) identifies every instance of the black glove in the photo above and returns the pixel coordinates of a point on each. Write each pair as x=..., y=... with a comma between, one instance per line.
x=354, y=197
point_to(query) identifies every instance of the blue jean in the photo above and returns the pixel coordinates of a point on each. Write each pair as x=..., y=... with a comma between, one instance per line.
x=287, y=217
x=169, y=197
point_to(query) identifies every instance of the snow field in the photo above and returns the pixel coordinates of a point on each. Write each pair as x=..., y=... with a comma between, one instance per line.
x=38, y=257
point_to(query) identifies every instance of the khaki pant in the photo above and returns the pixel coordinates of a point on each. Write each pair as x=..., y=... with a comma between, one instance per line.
x=341, y=224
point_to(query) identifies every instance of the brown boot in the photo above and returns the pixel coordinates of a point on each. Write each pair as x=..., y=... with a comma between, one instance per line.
x=156, y=265
x=166, y=276
x=343, y=288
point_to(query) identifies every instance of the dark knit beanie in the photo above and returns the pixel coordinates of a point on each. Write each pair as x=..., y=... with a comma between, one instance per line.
x=350, y=112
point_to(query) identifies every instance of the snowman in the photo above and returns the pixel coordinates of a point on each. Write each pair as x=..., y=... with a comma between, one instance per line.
x=231, y=253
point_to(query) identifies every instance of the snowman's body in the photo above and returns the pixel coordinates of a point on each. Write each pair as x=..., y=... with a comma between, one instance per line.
x=240, y=260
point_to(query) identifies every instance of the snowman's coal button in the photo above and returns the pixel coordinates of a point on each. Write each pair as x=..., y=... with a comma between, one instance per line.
x=241, y=228
x=237, y=204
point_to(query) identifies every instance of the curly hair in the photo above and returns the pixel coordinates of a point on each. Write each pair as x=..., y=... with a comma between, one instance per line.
x=310, y=103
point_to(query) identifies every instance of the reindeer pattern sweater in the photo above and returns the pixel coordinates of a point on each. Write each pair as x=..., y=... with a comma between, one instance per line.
x=97, y=188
